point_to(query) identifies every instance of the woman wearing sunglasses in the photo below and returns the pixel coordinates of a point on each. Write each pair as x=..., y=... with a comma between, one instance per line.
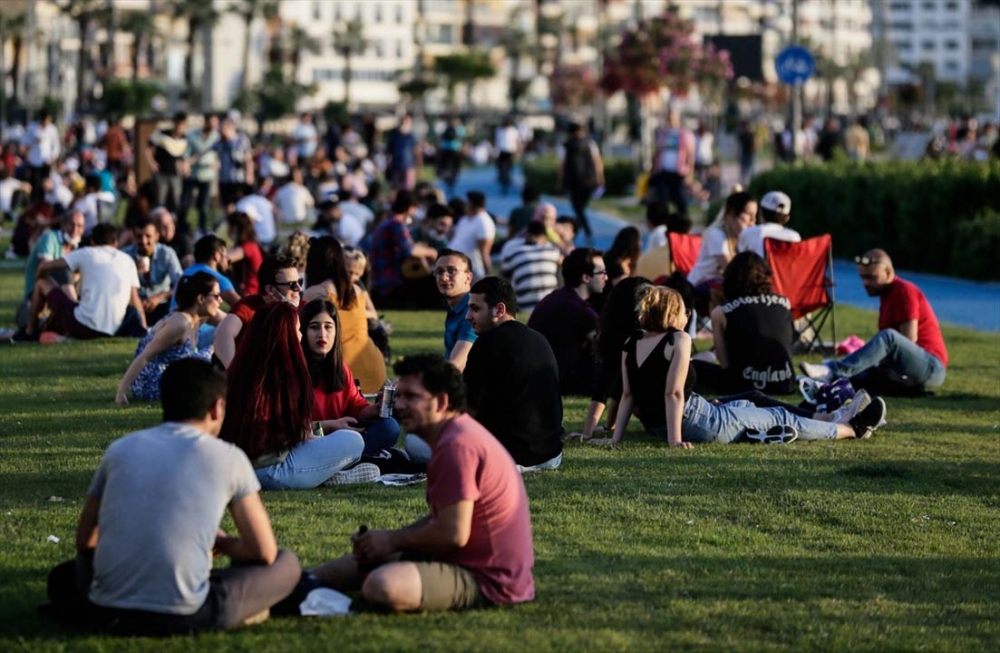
x=326, y=273
x=657, y=382
x=172, y=338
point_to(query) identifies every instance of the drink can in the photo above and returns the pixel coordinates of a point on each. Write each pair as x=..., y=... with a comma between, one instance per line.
x=388, y=395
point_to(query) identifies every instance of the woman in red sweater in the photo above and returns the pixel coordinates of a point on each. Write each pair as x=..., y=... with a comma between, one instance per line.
x=338, y=403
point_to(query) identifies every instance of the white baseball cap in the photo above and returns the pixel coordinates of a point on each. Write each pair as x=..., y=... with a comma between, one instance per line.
x=777, y=201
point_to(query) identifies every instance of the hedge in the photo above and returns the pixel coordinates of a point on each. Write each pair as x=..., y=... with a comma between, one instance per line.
x=619, y=175
x=940, y=217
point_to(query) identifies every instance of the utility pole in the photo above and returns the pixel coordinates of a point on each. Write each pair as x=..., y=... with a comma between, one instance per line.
x=796, y=89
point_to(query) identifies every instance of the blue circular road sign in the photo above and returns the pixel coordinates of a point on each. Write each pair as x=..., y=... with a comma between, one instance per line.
x=794, y=65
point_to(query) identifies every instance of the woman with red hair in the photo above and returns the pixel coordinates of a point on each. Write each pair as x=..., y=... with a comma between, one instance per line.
x=270, y=400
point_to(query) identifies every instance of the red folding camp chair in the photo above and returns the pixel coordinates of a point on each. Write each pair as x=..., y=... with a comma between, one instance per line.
x=684, y=250
x=803, y=272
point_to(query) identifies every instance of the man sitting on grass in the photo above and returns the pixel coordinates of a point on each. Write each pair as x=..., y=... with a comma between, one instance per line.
x=52, y=245
x=907, y=354
x=150, y=525
x=109, y=284
x=512, y=379
x=280, y=282
x=475, y=548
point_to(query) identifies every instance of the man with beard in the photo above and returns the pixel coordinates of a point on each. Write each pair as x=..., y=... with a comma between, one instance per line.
x=908, y=353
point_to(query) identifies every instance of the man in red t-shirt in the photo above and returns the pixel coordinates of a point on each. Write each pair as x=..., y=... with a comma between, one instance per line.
x=474, y=549
x=908, y=353
x=279, y=281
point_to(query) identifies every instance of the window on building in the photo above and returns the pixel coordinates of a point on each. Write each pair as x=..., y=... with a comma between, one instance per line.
x=929, y=6
x=951, y=6
x=985, y=45
x=317, y=10
x=379, y=49
x=336, y=12
x=904, y=46
x=951, y=45
x=399, y=14
x=951, y=65
x=901, y=26
x=399, y=49
x=377, y=13
x=928, y=45
x=900, y=5
x=443, y=34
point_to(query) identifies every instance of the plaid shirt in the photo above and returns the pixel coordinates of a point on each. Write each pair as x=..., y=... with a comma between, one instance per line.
x=391, y=245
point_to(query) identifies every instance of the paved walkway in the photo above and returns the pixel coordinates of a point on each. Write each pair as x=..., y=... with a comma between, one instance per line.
x=955, y=301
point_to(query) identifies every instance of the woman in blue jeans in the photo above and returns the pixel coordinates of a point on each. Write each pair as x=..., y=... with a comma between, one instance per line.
x=337, y=401
x=657, y=379
x=270, y=403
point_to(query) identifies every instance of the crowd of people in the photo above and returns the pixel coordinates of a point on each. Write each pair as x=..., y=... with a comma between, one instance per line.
x=289, y=387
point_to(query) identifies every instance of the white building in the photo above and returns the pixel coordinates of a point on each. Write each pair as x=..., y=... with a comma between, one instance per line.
x=935, y=32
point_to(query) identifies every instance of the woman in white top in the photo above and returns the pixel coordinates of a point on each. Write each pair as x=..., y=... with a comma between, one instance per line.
x=718, y=243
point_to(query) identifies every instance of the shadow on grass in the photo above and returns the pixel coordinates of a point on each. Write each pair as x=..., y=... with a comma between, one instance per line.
x=753, y=594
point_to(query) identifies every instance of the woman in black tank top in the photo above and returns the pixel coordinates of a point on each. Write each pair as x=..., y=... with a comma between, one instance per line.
x=657, y=378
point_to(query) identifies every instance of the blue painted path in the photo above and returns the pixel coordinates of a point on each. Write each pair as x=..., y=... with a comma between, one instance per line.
x=955, y=301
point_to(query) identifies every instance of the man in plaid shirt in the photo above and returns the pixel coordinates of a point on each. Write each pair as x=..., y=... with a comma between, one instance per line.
x=391, y=246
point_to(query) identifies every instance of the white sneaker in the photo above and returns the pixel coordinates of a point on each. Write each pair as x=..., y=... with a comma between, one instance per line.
x=849, y=411
x=361, y=473
x=818, y=372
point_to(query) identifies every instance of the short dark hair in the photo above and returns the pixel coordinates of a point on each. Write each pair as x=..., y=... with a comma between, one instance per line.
x=496, y=290
x=207, y=246
x=772, y=216
x=570, y=220
x=141, y=222
x=92, y=180
x=435, y=211
x=454, y=252
x=457, y=206
x=530, y=194
x=188, y=389
x=180, y=116
x=578, y=263
x=535, y=229
x=104, y=234
x=267, y=275
x=477, y=199
x=403, y=202
x=436, y=374
x=657, y=213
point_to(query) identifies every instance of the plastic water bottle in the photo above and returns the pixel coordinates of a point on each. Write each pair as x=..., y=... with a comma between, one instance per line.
x=388, y=395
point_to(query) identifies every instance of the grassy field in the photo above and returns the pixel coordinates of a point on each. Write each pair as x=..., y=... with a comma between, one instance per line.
x=884, y=544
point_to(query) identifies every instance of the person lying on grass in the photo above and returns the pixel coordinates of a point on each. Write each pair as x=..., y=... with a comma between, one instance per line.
x=474, y=548
x=172, y=338
x=269, y=381
x=150, y=526
x=657, y=379
x=337, y=401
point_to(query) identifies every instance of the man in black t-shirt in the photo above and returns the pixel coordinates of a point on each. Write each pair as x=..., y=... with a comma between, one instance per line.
x=512, y=379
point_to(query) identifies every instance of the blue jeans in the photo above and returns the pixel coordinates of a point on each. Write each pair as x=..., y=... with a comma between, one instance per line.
x=383, y=434
x=897, y=355
x=417, y=449
x=313, y=461
x=703, y=421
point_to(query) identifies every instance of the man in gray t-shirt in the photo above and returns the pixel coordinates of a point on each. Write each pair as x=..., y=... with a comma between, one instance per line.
x=158, y=497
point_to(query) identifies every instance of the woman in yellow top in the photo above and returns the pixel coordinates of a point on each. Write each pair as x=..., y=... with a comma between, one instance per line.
x=326, y=274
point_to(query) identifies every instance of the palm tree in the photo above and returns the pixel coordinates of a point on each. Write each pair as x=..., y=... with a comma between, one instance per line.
x=84, y=13
x=299, y=43
x=516, y=45
x=142, y=26
x=349, y=40
x=249, y=11
x=15, y=26
x=200, y=15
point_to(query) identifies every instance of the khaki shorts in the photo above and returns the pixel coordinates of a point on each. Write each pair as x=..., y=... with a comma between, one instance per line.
x=448, y=587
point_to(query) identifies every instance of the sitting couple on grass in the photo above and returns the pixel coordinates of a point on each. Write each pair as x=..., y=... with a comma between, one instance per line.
x=657, y=382
x=144, y=561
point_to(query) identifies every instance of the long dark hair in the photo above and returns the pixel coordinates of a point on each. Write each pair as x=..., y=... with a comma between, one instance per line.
x=627, y=245
x=269, y=398
x=325, y=261
x=619, y=319
x=328, y=370
x=241, y=228
x=190, y=287
x=747, y=275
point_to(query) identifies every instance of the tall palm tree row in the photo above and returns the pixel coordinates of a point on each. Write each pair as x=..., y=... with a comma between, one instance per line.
x=84, y=13
x=249, y=11
x=349, y=40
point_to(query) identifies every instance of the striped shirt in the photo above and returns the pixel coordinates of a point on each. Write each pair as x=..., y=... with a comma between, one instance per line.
x=533, y=270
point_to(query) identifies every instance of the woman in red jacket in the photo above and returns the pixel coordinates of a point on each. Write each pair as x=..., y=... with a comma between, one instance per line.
x=337, y=401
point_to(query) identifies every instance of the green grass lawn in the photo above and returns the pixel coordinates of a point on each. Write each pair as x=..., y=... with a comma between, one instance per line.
x=883, y=544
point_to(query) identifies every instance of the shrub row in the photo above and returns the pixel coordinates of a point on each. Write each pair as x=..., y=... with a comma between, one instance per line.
x=940, y=217
x=619, y=175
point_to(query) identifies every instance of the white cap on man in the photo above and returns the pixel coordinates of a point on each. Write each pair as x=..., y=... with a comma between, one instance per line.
x=778, y=202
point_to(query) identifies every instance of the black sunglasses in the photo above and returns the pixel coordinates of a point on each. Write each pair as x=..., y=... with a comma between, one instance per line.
x=292, y=285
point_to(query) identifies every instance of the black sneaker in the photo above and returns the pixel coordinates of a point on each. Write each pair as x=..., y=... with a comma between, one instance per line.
x=870, y=419
x=22, y=336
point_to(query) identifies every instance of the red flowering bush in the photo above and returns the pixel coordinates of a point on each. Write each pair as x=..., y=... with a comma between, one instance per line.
x=572, y=86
